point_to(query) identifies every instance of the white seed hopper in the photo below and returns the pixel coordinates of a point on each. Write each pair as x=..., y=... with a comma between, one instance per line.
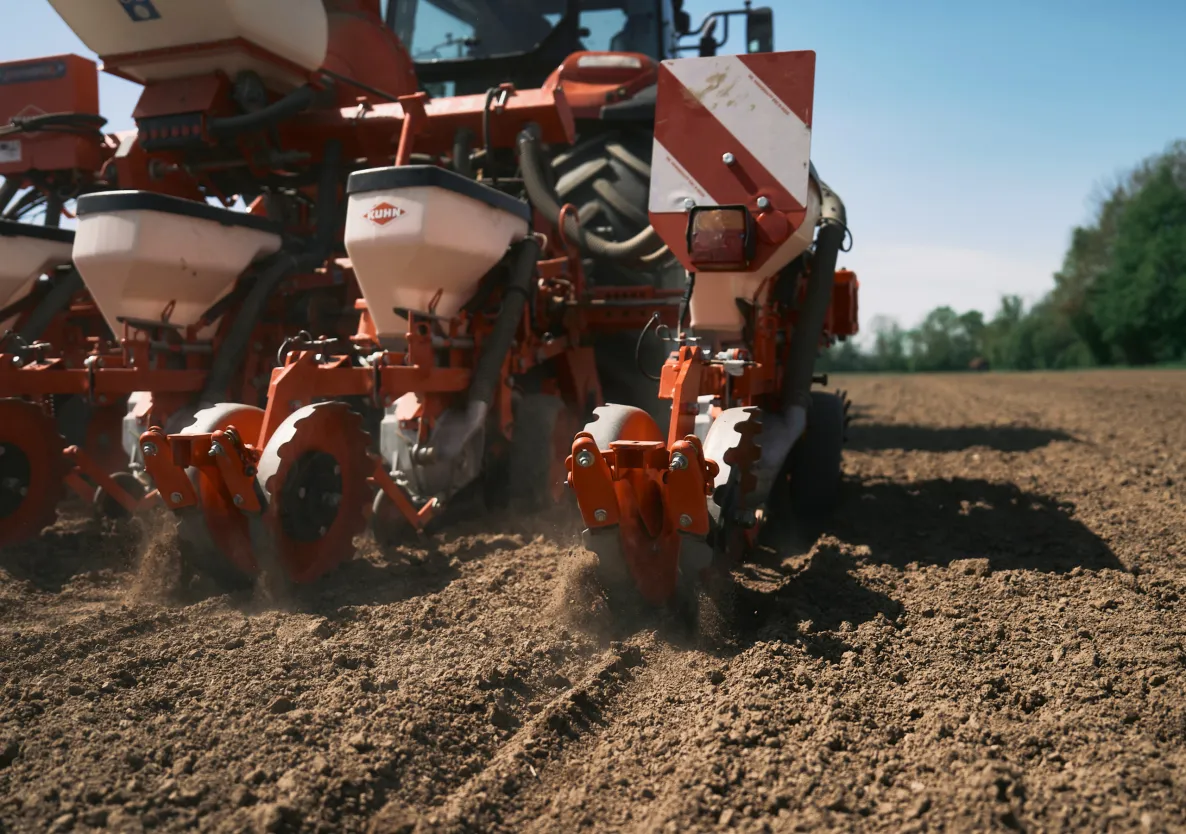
x=158, y=40
x=26, y=253
x=141, y=254
x=417, y=231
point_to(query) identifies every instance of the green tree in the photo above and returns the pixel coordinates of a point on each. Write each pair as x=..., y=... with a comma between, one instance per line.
x=1139, y=301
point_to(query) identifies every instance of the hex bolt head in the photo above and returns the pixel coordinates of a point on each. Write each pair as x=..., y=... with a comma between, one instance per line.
x=149, y=450
x=685, y=520
x=728, y=158
x=175, y=498
x=689, y=204
x=600, y=515
x=238, y=499
x=679, y=461
x=763, y=203
x=584, y=458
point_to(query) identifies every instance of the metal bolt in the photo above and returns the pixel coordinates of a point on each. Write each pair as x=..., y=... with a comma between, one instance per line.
x=238, y=499
x=215, y=450
x=763, y=203
x=685, y=520
x=149, y=450
x=584, y=458
x=728, y=158
x=175, y=497
x=600, y=515
x=689, y=204
x=679, y=461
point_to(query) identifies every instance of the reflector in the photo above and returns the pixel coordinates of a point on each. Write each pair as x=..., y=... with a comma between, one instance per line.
x=720, y=238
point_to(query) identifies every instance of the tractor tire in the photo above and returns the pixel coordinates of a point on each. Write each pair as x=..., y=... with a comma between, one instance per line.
x=607, y=176
x=815, y=462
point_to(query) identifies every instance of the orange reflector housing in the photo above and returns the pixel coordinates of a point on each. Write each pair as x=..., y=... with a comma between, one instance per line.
x=720, y=238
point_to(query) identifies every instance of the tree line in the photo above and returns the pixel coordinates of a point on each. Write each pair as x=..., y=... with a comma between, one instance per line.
x=1119, y=298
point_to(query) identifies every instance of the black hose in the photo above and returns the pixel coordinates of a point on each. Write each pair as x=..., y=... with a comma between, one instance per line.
x=488, y=371
x=299, y=99
x=463, y=143
x=7, y=192
x=276, y=268
x=82, y=124
x=543, y=197
x=810, y=324
x=53, y=210
x=63, y=287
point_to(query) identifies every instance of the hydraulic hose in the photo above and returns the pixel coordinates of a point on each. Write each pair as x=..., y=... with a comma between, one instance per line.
x=64, y=285
x=805, y=339
x=280, y=265
x=299, y=99
x=463, y=145
x=7, y=192
x=535, y=180
x=488, y=370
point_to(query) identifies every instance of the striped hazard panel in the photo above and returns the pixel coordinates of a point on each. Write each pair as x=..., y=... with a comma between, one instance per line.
x=730, y=130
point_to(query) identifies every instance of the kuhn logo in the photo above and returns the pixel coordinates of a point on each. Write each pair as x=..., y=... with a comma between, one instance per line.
x=384, y=213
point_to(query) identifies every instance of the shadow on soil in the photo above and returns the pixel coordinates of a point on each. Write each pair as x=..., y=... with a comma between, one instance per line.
x=77, y=545
x=876, y=437
x=809, y=575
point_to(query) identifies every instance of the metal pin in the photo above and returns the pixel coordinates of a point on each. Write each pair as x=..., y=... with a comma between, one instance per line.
x=763, y=203
x=728, y=158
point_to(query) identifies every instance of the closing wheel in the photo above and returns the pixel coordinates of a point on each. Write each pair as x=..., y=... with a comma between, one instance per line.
x=707, y=589
x=32, y=471
x=815, y=462
x=214, y=537
x=543, y=433
x=642, y=559
x=314, y=472
x=107, y=507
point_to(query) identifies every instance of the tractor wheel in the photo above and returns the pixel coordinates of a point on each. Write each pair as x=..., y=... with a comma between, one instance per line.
x=314, y=472
x=32, y=471
x=814, y=465
x=542, y=439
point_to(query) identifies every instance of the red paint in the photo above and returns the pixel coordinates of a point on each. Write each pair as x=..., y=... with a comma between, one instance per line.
x=790, y=77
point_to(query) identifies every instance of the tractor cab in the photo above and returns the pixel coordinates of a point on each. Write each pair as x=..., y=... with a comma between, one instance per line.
x=459, y=45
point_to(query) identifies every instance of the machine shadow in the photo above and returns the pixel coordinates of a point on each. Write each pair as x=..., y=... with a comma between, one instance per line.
x=877, y=437
x=943, y=520
x=76, y=546
x=802, y=587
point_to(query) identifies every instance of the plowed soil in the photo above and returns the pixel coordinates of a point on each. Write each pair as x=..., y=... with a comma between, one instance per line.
x=989, y=635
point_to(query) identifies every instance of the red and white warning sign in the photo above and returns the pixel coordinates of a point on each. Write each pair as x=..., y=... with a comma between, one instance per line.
x=730, y=130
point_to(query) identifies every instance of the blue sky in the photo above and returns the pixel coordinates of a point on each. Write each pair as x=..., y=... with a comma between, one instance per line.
x=966, y=138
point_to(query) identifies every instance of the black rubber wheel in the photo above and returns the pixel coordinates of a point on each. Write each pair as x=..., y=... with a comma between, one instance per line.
x=108, y=507
x=532, y=468
x=815, y=462
x=607, y=176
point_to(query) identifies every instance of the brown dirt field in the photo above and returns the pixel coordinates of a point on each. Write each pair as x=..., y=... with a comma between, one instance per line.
x=988, y=636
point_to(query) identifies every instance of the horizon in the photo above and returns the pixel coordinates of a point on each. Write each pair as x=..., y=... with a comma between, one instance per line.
x=965, y=146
